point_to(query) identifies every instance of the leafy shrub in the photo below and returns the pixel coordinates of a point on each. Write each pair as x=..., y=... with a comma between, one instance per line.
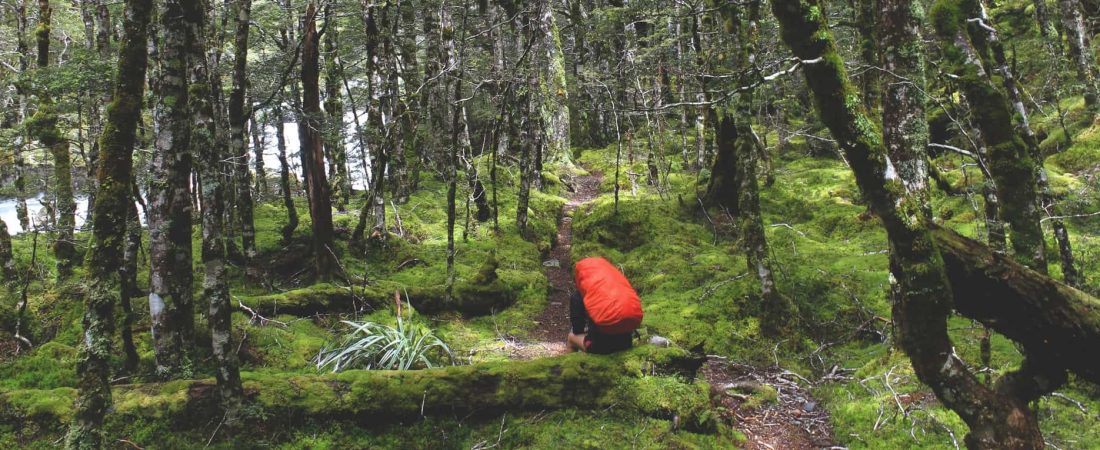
x=374, y=346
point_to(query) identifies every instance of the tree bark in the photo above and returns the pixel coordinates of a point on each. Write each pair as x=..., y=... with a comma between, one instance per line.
x=7, y=262
x=1009, y=161
x=22, y=89
x=43, y=125
x=334, y=115
x=284, y=176
x=1080, y=52
x=996, y=421
x=239, y=112
x=310, y=128
x=171, y=303
x=779, y=313
x=108, y=231
x=212, y=154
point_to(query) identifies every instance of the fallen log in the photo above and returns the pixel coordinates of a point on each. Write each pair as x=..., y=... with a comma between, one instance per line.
x=469, y=299
x=1050, y=319
x=648, y=380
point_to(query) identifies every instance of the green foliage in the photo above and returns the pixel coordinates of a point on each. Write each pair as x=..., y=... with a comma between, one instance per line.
x=381, y=347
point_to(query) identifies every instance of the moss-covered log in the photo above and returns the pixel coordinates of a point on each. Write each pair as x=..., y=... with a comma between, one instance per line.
x=470, y=299
x=1045, y=316
x=647, y=380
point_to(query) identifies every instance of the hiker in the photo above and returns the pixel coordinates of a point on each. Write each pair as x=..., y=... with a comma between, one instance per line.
x=604, y=311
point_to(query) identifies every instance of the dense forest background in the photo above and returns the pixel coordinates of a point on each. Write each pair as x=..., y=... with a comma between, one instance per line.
x=343, y=224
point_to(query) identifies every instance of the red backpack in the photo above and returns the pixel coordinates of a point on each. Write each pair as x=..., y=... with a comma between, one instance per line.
x=612, y=303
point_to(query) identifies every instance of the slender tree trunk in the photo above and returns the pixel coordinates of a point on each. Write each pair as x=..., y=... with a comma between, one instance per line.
x=284, y=176
x=22, y=89
x=7, y=262
x=375, y=206
x=171, y=304
x=1023, y=128
x=108, y=232
x=310, y=128
x=129, y=287
x=259, y=141
x=44, y=126
x=554, y=90
x=1010, y=162
x=334, y=114
x=212, y=154
x=239, y=112
x=1077, y=36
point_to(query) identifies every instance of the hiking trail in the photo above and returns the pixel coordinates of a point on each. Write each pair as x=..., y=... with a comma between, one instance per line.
x=794, y=420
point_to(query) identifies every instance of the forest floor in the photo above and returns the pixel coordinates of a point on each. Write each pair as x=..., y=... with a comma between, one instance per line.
x=770, y=406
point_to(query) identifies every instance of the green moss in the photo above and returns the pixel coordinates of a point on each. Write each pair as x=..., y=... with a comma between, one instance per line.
x=51, y=365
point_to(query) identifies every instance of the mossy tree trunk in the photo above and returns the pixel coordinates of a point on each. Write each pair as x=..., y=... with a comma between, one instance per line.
x=553, y=89
x=723, y=185
x=374, y=210
x=1010, y=161
x=779, y=313
x=44, y=127
x=310, y=129
x=239, y=112
x=109, y=224
x=284, y=175
x=7, y=262
x=212, y=155
x=129, y=288
x=404, y=160
x=171, y=303
x=1077, y=36
x=259, y=142
x=334, y=114
x=453, y=59
x=22, y=89
x=996, y=421
x=1023, y=128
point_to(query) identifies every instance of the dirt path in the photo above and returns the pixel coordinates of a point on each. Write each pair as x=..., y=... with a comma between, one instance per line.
x=548, y=338
x=792, y=421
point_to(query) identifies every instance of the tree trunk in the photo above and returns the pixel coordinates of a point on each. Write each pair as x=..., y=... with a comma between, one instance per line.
x=108, y=231
x=284, y=176
x=22, y=90
x=239, y=112
x=553, y=90
x=44, y=126
x=334, y=115
x=996, y=421
x=1077, y=35
x=129, y=285
x=259, y=141
x=1010, y=161
x=211, y=154
x=7, y=262
x=171, y=304
x=310, y=126
x=780, y=314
